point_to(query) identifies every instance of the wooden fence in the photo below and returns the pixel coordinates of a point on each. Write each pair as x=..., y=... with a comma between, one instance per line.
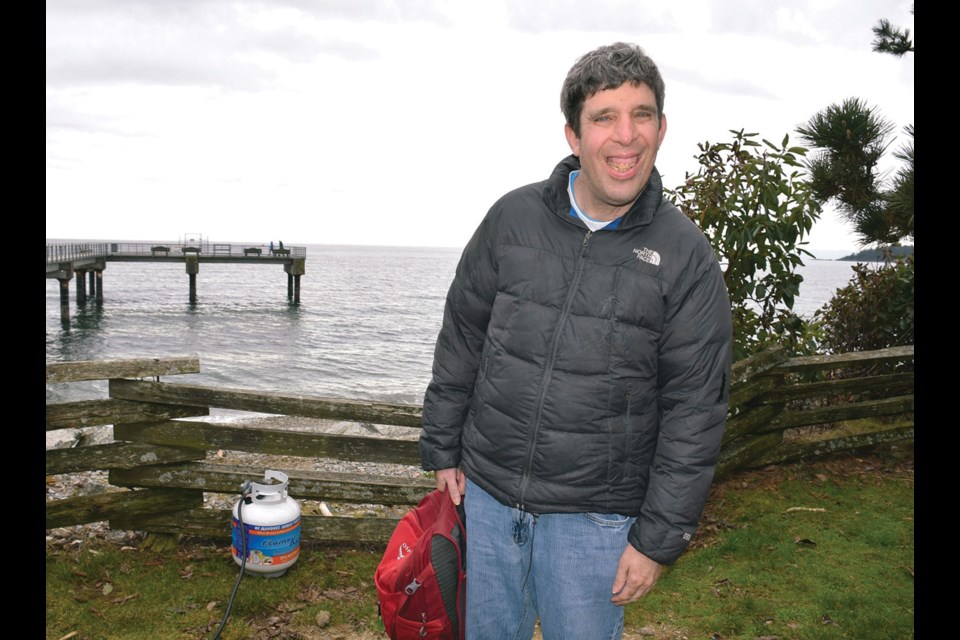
x=159, y=468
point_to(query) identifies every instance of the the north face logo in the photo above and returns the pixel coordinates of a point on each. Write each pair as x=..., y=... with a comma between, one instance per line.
x=648, y=255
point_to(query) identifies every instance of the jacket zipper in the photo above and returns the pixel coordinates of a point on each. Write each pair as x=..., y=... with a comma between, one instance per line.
x=628, y=430
x=548, y=370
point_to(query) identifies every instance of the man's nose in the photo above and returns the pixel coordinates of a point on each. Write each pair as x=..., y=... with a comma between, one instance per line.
x=625, y=131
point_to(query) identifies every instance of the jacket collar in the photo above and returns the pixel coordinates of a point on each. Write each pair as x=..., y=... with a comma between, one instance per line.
x=641, y=213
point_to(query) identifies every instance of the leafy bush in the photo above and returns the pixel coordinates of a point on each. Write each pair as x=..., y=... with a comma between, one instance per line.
x=754, y=203
x=874, y=311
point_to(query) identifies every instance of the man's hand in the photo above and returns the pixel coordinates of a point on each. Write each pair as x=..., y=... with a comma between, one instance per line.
x=452, y=481
x=636, y=575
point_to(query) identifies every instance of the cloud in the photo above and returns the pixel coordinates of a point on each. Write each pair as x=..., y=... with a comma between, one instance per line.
x=356, y=121
x=643, y=19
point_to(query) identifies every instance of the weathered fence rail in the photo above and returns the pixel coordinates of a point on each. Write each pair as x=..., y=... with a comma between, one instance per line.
x=158, y=468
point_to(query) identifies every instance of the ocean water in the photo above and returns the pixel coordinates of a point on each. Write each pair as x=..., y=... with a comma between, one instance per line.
x=364, y=328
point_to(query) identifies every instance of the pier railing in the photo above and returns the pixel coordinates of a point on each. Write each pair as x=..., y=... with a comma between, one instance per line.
x=67, y=252
x=161, y=463
x=57, y=253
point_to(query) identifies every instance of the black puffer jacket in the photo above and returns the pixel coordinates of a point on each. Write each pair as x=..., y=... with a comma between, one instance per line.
x=582, y=371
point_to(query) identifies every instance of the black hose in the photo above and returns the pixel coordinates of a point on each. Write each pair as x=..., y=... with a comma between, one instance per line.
x=244, y=492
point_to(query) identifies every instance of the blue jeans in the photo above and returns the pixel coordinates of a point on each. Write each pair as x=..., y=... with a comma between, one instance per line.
x=558, y=567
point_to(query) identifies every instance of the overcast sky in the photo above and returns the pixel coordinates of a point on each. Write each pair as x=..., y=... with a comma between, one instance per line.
x=399, y=122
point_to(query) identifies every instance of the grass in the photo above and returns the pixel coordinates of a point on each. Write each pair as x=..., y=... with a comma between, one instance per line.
x=814, y=551
x=820, y=550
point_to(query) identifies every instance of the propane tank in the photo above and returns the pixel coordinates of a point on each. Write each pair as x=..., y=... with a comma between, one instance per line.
x=271, y=521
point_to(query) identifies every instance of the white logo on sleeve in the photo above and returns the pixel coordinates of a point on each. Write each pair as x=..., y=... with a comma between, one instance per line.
x=648, y=255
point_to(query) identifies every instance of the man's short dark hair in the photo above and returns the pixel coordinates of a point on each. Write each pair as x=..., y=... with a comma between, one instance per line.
x=604, y=68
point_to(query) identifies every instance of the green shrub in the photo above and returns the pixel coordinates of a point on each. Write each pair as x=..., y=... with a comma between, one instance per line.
x=874, y=311
x=754, y=203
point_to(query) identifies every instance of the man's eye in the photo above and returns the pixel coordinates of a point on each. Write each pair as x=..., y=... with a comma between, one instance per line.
x=603, y=119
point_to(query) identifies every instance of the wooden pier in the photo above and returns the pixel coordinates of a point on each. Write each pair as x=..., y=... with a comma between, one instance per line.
x=88, y=260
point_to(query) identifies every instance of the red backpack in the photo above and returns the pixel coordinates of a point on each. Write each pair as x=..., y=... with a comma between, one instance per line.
x=421, y=578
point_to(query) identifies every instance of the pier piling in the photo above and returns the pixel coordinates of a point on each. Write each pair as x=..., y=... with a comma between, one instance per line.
x=64, y=300
x=193, y=268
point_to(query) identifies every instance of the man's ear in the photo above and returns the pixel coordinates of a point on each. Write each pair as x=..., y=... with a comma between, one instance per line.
x=572, y=139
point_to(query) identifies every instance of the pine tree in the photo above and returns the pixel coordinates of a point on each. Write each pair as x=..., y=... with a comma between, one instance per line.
x=850, y=139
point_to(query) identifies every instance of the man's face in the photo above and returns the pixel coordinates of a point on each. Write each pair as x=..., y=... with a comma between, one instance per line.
x=620, y=133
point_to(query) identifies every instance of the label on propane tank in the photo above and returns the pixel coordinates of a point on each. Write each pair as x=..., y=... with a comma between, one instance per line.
x=268, y=545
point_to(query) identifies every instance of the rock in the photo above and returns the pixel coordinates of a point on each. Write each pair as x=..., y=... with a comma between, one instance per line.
x=67, y=438
x=62, y=438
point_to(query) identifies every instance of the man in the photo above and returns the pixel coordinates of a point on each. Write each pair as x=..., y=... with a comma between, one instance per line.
x=581, y=374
